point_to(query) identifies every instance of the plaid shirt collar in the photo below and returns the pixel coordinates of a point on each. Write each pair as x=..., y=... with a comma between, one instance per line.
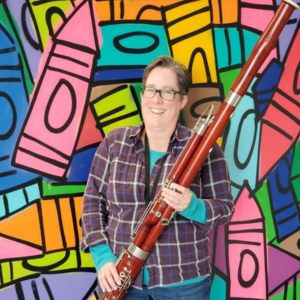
x=179, y=135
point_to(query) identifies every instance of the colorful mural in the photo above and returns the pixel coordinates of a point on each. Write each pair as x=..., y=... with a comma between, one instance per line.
x=70, y=71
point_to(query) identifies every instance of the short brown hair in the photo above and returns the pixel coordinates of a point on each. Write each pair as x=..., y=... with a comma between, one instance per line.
x=183, y=75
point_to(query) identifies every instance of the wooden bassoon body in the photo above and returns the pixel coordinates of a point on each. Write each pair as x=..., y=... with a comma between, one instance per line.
x=158, y=214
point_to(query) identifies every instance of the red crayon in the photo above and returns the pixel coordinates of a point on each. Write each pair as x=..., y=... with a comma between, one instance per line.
x=280, y=124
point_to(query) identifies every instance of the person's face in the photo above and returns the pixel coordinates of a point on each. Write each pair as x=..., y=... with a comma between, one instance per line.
x=159, y=114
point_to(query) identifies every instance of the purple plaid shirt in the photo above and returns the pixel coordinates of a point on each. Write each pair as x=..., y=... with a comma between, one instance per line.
x=114, y=203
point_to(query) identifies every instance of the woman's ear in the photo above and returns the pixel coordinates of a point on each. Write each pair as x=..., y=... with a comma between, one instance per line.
x=184, y=100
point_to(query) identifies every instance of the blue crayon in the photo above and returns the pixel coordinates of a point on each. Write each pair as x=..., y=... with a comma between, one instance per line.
x=14, y=104
x=282, y=200
x=266, y=83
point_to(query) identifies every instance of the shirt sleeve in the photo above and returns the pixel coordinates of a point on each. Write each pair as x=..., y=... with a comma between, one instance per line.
x=94, y=214
x=101, y=255
x=216, y=189
x=196, y=211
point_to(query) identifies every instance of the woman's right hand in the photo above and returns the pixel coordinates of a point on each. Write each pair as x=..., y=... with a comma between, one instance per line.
x=108, y=277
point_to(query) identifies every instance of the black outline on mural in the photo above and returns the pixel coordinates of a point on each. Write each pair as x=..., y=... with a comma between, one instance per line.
x=61, y=83
x=12, y=128
x=118, y=45
x=248, y=283
x=237, y=161
x=26, y=32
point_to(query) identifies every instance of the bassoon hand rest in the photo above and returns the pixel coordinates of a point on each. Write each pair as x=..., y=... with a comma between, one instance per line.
x=158, y=213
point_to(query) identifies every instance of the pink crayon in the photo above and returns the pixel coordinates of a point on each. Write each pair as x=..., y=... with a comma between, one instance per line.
x=250, y=12
x=56, y=114
x=247, y=250
x=280, y=124
x=257, y=14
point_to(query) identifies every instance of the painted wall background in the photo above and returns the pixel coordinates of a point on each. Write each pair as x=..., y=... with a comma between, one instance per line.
x=70, y=71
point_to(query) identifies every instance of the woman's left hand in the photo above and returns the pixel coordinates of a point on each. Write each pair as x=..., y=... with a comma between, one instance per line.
x=177, y=196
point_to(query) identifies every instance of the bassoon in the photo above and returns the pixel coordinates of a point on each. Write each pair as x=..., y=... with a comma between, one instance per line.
x=158, y=213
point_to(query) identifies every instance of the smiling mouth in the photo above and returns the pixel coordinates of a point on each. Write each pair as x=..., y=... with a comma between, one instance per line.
x=157, y=111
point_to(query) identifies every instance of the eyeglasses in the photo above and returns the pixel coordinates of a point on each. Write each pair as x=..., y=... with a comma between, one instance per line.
x=165, y=94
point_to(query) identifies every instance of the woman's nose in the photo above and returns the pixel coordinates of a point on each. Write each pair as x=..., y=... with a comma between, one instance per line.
x=157, y=98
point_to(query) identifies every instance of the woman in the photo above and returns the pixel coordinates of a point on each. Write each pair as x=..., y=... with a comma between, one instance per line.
x=118, y=190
